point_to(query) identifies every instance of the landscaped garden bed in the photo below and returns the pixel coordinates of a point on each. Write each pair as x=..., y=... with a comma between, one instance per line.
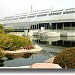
x=15, y=44
x=34, y=50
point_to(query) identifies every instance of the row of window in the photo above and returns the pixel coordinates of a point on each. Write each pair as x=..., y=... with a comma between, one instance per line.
x=56, y=13
x=41, y=15
x=22, y=27
x=30, y=16
x=68, y=12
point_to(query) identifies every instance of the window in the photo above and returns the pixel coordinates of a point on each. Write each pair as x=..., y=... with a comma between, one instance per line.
x=3, y=20
x=15, y=18
x=22, y=17
x=56, y=13
x=43, y=12
x=8, y=19
x=30, y=16
x=68, y=12
x=41, y=15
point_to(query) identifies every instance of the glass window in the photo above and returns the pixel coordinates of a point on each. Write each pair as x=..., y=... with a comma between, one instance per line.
x=43, y=12
x=3, y=20
x=22, y=17
x=8, y=19
x=30, y=16
x=15, y=18
x=56, y=13
x=41, y=15
x=68, y=12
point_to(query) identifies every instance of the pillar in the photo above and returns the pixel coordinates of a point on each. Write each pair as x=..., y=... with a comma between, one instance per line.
x=56, y=26
x=70, y=25
x=63, y=26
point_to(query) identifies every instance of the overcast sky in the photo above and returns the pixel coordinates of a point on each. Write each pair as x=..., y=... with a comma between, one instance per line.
x=12, y=7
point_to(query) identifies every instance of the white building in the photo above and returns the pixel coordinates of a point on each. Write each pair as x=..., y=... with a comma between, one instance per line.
x=50, y=19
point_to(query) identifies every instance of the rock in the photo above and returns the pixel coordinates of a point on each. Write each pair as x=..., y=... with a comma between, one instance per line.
x=45, y=65
x=49, y=60
x=37, y=49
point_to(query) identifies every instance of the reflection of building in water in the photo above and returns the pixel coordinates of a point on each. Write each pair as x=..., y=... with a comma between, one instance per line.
x=65, y=42
x=57, y=41
x=1, y=62
x=45, y=40
x=21, y=55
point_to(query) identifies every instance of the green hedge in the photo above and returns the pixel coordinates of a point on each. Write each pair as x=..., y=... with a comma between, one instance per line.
x=66, y=58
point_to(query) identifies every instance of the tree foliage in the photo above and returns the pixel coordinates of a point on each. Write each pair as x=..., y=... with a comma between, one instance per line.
x=1, y=26
x=8, y=30
x=66, y=58
x=13, y=42
x=1, y=53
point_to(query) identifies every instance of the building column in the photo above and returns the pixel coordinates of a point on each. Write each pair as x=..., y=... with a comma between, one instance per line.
x=38, y=26
x=56, y=26
x=63, y=26
x=70, y=26
x=35, y=27
x=32, y=27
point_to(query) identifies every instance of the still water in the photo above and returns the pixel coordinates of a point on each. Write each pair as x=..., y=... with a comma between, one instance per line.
x=49, y=50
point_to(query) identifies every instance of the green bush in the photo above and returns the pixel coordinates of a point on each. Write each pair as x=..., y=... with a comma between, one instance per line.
x=1, y=53
x=19, y=41
x=12, y=42
x=8, y=30
x=66, y=58
x=1, y=31
x=5, y=41
x=1, y=26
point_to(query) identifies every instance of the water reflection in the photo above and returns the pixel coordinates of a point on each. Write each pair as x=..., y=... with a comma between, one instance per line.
x=56, y=41
x=48, y=53
x=14, y=56
x=9, y=57
x=44, y=40
x=65, y=42
x=27, y=55
x=1, y=62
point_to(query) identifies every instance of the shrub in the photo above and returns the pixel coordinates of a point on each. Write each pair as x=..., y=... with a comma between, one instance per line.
x=1, y=26
x=1, y=53
x=13, y=42
x=8, y=30
x=19, y=41
x=66, y=58
x=5, y=41
x=29, y=47
x=1, y=31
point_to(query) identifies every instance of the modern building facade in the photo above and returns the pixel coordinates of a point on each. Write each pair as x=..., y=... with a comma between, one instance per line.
x=50, y=19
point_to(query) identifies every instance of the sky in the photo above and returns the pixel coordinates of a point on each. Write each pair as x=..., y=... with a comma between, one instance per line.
x=12, y=7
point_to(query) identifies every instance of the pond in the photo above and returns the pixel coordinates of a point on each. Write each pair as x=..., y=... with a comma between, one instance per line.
x=49, y=50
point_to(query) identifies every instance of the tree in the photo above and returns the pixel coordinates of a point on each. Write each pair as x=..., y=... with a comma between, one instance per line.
x=1, y=26
x=8, y=30
x=66, y=58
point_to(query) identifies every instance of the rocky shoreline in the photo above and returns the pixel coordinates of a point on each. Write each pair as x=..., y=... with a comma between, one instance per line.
x=36, y=49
